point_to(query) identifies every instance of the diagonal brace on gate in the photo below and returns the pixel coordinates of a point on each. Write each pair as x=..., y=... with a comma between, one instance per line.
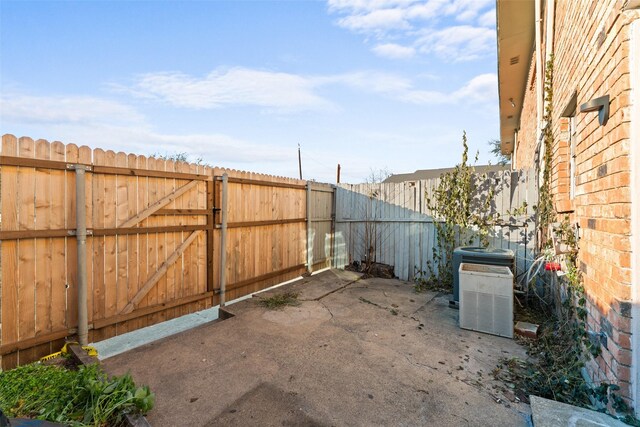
x=150, y=283
x=159, y=204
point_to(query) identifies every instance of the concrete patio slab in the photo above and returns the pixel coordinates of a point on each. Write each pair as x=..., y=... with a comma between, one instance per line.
x=549, y=413
x=353, y=352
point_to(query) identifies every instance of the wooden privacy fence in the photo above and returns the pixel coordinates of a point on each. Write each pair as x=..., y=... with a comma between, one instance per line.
x=154, y=248
x=396, y=220
x=270, y=238
x=167, y=238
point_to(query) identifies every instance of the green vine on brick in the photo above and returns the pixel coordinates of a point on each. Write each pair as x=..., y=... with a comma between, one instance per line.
x=574, y=307
x=546, y=213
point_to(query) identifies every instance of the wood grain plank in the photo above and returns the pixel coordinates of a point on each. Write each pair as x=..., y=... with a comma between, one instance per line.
x=85, y=156
x=59, y=261
x=201, y=262
x=9, y=193
x=122, y=242
x=152, y=241
x=110, y=245
x=44, y=248
x=172, y=271
x=163, y=194
x=132, y=241
x=99, y=245
x=26, y=250
x=143, y=239
x=210, y=233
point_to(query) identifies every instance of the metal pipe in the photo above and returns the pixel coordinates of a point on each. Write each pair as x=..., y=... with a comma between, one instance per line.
x=550, y=22
x=223, y=237
x=81, y=239
x=333, y=228
x=540, y=66
x=309, y=243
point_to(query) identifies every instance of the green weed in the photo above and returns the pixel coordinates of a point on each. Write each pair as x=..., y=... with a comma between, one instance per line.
x=279, y=301
x=83, y=397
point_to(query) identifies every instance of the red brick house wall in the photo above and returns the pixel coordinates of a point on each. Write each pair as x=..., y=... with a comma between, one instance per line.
x=591, y=50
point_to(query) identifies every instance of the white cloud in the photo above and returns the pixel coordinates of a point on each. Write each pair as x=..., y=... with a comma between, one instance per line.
x=427, y=10
x=213, y=148
x=376, y=21
x=369, y=81
x=183, y=91
x=466, y=10
x=394, y=51
x=234, y=86
x=108, y=124
x=365, y=5
x=279, y=91
x=459, y=43
x=392, y=20
x=482, y=88
x=488, y=19
x=65, y=109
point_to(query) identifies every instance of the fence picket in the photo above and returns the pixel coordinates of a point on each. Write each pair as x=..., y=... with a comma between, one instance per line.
x=26, y=247
x=122, y=241
x=9, y=193
x=58, y=245
x=43, y=248
x=404, y=227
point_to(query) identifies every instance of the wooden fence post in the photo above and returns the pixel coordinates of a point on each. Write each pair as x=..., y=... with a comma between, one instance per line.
x=223, y=237
x=210, y=229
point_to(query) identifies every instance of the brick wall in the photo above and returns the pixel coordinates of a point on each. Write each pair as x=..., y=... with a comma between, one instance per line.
x=526, y=147
x=591, y=49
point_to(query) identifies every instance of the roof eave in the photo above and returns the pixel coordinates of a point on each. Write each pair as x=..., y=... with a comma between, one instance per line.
x=515, y=39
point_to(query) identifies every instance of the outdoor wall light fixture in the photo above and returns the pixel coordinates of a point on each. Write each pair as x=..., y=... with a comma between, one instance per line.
x=601, y=105
x=513, y=104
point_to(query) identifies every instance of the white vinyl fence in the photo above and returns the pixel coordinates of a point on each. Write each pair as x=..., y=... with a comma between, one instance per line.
x=395, y=219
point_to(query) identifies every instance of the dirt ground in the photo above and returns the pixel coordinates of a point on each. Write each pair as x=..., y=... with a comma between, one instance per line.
x=354, y=352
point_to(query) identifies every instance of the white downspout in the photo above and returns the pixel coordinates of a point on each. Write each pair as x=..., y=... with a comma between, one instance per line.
x=551, y=17
x=539, y=66
x=634, y=65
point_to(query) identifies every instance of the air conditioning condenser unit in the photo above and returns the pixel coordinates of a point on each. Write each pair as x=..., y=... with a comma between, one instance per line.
x=486, y=299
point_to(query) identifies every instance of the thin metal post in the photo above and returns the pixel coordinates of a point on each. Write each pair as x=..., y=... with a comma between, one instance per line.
x=333, y=227
x=81, y=238
x=309, y=242
x=223, y=238
x=299, y=161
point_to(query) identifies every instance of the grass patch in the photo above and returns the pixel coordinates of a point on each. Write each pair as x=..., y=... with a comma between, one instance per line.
x=279, y=301
x=82, y=397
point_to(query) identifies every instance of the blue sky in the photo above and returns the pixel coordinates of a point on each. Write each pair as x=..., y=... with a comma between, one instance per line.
x=367, y=84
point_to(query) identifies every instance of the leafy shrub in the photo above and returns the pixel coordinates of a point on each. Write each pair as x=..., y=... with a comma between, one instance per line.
x=83, y=397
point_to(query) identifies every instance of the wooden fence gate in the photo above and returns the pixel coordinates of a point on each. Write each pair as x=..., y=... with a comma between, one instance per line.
x=153, y=246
